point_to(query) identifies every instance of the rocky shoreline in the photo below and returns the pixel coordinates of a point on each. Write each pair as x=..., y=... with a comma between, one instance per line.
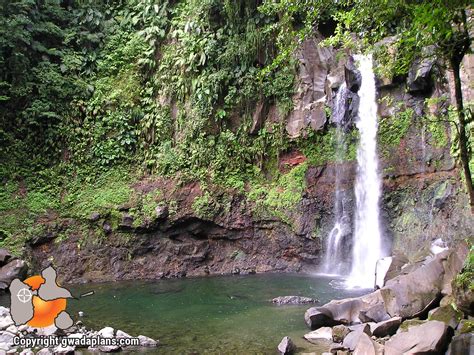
x=9, y=331
x=417, y=310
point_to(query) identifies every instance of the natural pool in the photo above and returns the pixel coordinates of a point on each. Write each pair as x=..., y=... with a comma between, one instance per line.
x=212, y=315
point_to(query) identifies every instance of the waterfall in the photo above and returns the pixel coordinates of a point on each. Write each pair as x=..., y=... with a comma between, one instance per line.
x=367, y=244
x=334, y=255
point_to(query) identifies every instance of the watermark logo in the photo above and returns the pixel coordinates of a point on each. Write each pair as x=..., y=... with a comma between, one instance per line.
x=39, y=301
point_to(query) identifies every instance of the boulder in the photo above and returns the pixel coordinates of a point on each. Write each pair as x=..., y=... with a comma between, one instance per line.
x=45, y=351
x=94, y=216
x=324, y=333
x=344, y=311
x=339, y=332
x=5, y=257
x=14, y=269
x=147, y=342
x=416, y=292
x=352, y=75
x=365, y=346
x=375, y=314
x=121, y=334
x=429, y=337
x=388, y=327
x=397, y=262
x=419, y=76
x=127, y=221
x=352, y=339
x=283, y=300
x=5, y=322
x=286, y=346
x=107, y=332
x=461, y=345
x=446, y=314
x=6, y=340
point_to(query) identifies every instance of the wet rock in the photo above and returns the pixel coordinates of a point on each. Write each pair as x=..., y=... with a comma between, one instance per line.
x=339, y=332
x=286, y=346
x=461, y=345
x=352, y=75
x=429, y=337
x=14, y=269
x=5, y=256
x=419, y=76
x=388, y=327
x=446, y=314
x=344, y=311
x=310, y=96
x=375, y=314
x=284, y=300
x=147, y=342
x=258, y=117
x=324, y=333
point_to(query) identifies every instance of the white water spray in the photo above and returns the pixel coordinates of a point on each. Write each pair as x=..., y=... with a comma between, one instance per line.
x=333, y=258
x=367, y=247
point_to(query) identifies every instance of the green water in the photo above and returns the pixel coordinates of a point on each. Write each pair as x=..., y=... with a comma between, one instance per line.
x=213, y=315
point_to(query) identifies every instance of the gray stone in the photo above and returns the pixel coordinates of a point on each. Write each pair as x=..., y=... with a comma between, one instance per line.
x=286, y=346
x=106, y=332
x=429, y=337
x=324, y=333
x=147, y=342
x=64, y=349
x=27, y=352
x=462, y=345
x=344, y=311
x=388, y=327
x=122, y=334
x=365, y=346
x=375, y=314
x=127, y=221
x=14, y=269
x=6, y=340
x=45, y=351
x=284, y=300
x=5, y=322
x=412, y=294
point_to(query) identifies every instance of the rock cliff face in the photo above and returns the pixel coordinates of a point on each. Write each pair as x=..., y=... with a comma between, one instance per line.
x=423, y=197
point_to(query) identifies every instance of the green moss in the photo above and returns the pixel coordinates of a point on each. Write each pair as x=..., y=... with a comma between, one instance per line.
x=439, y=135
x=107, y=193
x=393, y=129
x=205, y=206
x=466, y=278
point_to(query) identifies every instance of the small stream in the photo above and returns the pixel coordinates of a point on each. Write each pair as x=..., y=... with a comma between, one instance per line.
x=212, y=315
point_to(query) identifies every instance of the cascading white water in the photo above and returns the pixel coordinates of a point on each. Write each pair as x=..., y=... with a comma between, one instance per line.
x=367, y=244
x=333, y=258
